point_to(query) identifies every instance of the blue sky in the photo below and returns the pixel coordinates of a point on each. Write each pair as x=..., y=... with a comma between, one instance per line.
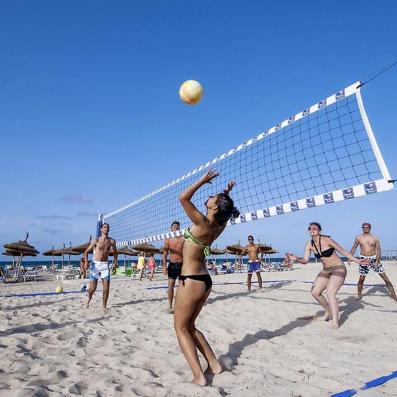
x=90, y=118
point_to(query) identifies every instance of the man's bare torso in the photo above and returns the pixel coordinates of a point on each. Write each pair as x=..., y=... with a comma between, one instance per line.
x=175, y=247
x=367, y=244
x=253, y=252
x=102, y=248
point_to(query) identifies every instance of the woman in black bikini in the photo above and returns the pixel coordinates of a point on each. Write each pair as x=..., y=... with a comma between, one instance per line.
x=195, y=285
x=333, y=275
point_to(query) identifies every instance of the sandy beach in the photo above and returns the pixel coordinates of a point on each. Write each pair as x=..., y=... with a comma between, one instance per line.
x=269, y=340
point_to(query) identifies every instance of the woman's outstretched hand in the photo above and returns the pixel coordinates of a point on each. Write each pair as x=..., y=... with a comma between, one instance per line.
x=229, y=187
x=209, y=176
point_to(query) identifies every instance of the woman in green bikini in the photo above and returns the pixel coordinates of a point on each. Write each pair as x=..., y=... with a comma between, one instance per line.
x=195, y=285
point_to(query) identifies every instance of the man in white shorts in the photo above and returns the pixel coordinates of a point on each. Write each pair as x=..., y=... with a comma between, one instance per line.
x=100, y=266
x=370, y=249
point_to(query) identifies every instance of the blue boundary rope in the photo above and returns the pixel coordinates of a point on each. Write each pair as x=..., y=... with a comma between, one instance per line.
x=369, y=385
x=166, y=286
x=42, y=294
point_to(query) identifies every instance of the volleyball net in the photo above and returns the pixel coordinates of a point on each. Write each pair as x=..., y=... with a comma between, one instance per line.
x=324, y=154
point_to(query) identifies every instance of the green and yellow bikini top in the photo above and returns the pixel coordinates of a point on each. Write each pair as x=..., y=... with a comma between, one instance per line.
x=187, y=234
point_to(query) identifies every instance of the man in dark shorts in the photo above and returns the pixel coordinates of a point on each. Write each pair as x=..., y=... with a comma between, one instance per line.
x=254, y=264
x=370, y=249
x=172, y=246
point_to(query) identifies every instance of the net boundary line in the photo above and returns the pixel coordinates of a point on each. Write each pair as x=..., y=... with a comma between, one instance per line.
x=361, y=190
x=330, y=100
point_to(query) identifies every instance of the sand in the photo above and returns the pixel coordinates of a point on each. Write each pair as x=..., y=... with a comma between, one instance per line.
x=269, y=340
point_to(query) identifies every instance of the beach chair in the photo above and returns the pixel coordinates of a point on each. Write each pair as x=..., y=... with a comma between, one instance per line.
x=11, y=276
x=30, y=275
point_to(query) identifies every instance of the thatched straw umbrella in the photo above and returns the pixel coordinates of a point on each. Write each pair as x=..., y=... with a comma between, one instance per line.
x=20, y=248
x=52, y=252
x=264, y=248
x=270, y=252
x=216, y=251
x=125, y=251
x=65, y=251
x=21, y=245
x=82, y=248
x=235, y=249
x=147, y=248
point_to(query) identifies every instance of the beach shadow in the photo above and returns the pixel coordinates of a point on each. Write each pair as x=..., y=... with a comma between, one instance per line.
x=135, y=302
x=279, y=285
x=229, y=296
x=252, y=294
x=35, y=304
x=379, y=288
x=229, y=360
x=351, y=306
x=28, y=329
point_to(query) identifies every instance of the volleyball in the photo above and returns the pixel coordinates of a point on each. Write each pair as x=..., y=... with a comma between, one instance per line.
x=191, y=92
x=59, y=289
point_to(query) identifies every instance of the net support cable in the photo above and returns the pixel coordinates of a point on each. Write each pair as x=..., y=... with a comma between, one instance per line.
x=321, y=155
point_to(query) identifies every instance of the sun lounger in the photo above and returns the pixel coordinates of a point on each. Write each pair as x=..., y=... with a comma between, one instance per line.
x=30, y=275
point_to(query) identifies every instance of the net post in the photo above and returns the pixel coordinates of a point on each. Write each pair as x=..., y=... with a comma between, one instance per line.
x=99, y=225
x=371, y=137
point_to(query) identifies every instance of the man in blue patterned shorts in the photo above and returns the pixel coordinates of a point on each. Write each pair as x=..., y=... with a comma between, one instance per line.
x=99, y=268
x=254, y=264
x=370, y=249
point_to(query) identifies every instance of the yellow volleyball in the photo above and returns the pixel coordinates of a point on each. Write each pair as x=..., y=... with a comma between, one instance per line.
x=59, y=289
x=191, y=92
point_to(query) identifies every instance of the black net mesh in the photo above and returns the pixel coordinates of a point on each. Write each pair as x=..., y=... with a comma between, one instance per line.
x=322, y=152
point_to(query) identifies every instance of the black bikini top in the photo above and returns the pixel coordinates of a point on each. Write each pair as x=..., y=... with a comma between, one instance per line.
x=322, y=254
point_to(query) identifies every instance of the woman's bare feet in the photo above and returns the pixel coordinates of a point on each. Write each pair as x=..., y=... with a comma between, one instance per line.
x=214, y=368
x=201, y=381
x=327, y=317
x=333, y=325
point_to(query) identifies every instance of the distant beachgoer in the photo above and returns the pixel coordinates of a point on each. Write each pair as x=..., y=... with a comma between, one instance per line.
x=333, y=275
x=288, y=264
x=195, y=282
x=83, y=268
x=254, y=264
x=172, y=247
x=141, y=265
x=100, y=266
x=370, y=250
x=152, y=266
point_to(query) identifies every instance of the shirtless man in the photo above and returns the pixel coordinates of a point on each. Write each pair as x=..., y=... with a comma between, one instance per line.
x=370, y=249
x=254, y=264
x=172, y=246
x=100, y=266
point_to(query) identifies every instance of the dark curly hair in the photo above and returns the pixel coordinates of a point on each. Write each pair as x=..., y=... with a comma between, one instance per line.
x=226, y=209
x=315, y=224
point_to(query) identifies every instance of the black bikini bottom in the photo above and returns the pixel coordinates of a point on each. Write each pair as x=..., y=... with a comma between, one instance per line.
x=205, y=278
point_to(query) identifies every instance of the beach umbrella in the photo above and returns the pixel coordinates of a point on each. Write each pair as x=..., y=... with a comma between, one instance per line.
x=65, y=251
x=147, y=248
x=52, y=252
x=235, y=249
x=125, y=251
x=269, y=252
x=264, y=248
x=16, y=254
x=216, y=251
x=20, y=248
x=81, y=248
